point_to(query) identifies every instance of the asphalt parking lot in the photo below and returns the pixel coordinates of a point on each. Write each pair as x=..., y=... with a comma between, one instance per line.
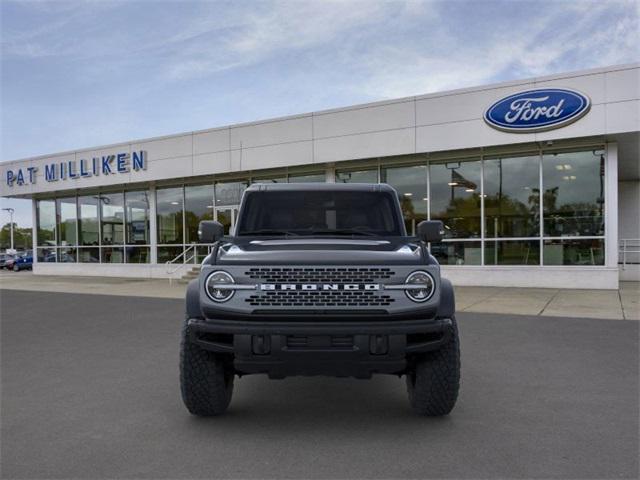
x=90, y=390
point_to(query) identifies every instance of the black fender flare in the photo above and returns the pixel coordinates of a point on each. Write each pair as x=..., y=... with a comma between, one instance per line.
x=447, y=307
x=193, y=299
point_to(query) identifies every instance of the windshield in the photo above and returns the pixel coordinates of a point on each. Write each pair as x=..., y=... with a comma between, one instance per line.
x=337, y=213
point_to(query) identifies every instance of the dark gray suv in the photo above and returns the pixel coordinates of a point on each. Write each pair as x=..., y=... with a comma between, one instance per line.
x=320, y=279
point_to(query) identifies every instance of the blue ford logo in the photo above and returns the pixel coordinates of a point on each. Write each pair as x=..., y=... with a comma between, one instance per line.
x=537, y=110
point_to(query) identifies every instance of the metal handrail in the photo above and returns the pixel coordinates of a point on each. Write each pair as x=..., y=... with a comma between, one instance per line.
x=187, y=260
x=183, y=255
x=628, y=245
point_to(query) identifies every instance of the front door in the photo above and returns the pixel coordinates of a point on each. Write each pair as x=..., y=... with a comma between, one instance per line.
x=227, y=216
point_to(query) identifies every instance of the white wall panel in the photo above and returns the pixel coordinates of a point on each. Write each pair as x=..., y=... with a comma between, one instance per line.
x=593, y=123
x=208, y=163
x=166, y=168
x=623, y=116
x=178, y=146
x=361, y=120
x=470, y=134
x=379, y=144
x=286, y=154
x=623, y=85
x=592, y=85
x=461, y=107
x=272, y=132
x=212, y=141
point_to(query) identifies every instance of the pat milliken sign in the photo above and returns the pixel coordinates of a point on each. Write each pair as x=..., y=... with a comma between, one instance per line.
x=104, y=165
x=537, y=110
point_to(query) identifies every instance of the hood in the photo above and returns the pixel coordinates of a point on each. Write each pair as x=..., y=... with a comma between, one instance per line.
x=319, y=251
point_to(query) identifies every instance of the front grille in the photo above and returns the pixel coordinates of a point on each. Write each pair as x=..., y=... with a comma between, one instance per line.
x=335, y=298
x=319, y=274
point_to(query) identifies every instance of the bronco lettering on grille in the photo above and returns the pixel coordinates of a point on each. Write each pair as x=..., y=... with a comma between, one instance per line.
x=319, y=286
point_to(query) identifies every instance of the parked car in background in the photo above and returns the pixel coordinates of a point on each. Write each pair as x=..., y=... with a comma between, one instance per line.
x=4, y=258
x=23, y=261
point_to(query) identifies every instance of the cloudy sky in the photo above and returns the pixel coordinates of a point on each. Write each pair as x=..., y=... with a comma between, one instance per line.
x=80, y=74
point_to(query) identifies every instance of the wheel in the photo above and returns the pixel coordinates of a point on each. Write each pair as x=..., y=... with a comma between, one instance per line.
x=434, y=381
x=16, y=268
x=206, y=383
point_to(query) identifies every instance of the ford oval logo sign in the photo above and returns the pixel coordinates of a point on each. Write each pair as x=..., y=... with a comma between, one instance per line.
x=537, y=110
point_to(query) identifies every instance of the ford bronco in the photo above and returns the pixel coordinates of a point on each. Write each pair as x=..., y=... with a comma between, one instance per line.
x=320, y=279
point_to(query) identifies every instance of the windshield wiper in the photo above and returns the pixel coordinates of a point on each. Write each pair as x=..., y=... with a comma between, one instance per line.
x=345, y=231
x=268, y=231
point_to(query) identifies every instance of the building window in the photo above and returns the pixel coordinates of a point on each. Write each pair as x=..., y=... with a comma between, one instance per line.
x=318, y=177
x=137, y=218
x=411, y=185
x=198, y=206
x=229, y=193
x=88, y=229
x=357, y=176
x=270, y=179
x=574, y=251
x=112, y=218
x=512, y=252
x=46, y=218
x=169, y=204
x=456, y=197
x=458, y=252
x=67, y=221
x=512, y=197
x=573, y=198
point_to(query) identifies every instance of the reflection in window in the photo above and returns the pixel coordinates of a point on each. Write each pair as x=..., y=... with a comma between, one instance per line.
x=67, y=219
x=166, y=254
x=455, y=197
x=112, y=255
x=47, y=254
x=270, y=179
x=357, y=176
x=89, y=255
x=512, y=197
x=88, y=221
x=198, y=206
x=137, y=217
x=137, y=254
x=66, y=255
x=229, y=193
x=46, y=217
x=573, y=198
x=169, y=207
x=411, y=185
x=457, y=253
x=319, y=177
x=112, y=218
x=574, y=252
x=512, y=252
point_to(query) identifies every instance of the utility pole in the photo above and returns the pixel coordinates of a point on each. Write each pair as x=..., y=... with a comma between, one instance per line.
x=10, y=210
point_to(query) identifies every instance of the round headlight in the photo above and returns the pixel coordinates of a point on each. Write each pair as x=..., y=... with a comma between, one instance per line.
x=424, y=286
x=215, y=289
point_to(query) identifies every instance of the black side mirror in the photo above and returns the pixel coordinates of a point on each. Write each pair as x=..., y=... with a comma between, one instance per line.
x=210, y=231
x=431, y=231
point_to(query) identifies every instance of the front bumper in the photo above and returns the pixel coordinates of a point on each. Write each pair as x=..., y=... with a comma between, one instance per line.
x=343, y=349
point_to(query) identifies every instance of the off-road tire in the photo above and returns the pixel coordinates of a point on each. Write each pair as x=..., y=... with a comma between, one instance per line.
x=434, y=380
x=206, y=383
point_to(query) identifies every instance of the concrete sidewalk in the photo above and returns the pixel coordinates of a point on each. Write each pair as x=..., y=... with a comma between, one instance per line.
x=623, y=304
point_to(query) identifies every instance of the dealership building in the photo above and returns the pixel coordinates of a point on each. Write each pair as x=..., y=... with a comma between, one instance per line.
x=537, y=182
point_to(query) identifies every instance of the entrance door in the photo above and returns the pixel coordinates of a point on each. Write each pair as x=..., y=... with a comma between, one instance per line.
x=227, y=217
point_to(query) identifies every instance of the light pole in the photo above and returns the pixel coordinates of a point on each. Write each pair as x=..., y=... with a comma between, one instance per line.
x=10, y=210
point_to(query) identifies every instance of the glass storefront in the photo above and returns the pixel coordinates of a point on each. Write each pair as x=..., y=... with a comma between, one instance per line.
x=95, y=228
x=411, y=184
x=491, y=206
x=512, y=197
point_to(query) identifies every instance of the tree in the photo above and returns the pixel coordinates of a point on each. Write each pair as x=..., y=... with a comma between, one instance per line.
x=22, y=237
